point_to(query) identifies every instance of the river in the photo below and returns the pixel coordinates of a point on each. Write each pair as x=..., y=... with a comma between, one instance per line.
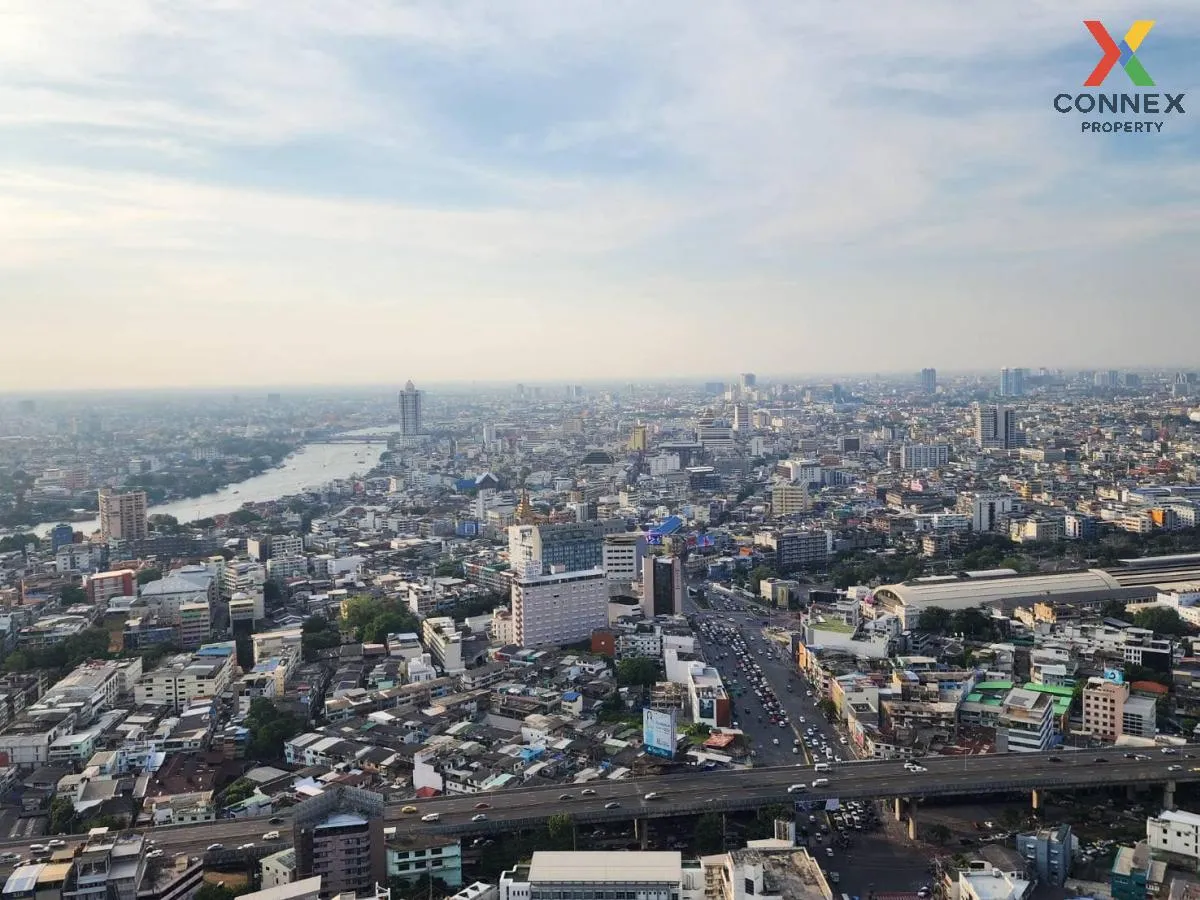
x=310, y=466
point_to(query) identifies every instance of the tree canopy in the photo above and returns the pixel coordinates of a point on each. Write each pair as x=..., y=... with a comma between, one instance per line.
x=1162, y=620
x=269, y=728
x=637, y=671
x=372, y=619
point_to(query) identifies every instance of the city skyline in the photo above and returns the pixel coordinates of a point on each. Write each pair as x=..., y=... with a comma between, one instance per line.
x=505, y=193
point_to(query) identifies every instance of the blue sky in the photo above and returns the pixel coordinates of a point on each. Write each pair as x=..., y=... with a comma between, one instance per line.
x=367, y=191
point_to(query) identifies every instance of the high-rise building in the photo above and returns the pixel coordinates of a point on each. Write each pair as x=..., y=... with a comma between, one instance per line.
x=122, y=516
x=741, y=417
x=996, y=427
x=559, y=608
x=61, y=535
x=929, y=381
x=749, y=380
x=338, y=835
x=924, y=456
x=1012, y=382
x=572, y=547
x=637, y=440
x=662, y=586
x=410, y=410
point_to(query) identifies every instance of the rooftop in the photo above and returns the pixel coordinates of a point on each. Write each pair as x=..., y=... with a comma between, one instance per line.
x=664, y=867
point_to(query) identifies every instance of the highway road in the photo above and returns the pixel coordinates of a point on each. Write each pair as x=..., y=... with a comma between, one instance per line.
x=700, y=792
x=735, y=616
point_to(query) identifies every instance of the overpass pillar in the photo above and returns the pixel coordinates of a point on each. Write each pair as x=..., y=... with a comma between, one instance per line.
x=1169, y=795
x=1036, y=796
x=912, y=823
x=898, y=808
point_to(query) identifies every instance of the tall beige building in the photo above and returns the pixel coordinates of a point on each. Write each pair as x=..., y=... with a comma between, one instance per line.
x=123, y=516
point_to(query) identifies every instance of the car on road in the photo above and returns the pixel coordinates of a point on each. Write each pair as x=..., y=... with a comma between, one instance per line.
x=1101, y=759
x=478, y=817
x=653, y=795
x=797, y=788
x=278, y=820
x=271, y=836
x=820, y=782
x=56, y=842
x=483, y=806
x=247, y=846
x=612, y=804
x=213, y=848
x=409, y=810
x=1174, y=768
x=566, y=797
x=829, y=851
x=1055, y=759
x=1167, y=751
x=430, y=817
x=587, y=792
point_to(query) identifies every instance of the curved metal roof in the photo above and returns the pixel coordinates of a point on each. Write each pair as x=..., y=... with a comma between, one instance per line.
x=965, y=592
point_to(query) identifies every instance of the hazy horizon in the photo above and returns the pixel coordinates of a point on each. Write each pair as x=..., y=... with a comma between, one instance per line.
x=361, y=192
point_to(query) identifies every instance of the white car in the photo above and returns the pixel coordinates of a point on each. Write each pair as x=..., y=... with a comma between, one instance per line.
x=430, y=817
x=797, y=788
x=271, y=836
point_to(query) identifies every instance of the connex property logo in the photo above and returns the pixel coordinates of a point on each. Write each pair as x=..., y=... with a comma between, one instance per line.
x=1121, y=113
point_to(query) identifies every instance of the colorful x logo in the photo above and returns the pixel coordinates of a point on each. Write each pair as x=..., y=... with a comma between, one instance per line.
x=1122, y=53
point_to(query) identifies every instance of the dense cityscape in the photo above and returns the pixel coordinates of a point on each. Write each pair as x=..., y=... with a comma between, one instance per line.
x=934, y=635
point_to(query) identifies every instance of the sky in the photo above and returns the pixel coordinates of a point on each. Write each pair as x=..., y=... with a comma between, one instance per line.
x=358, y=191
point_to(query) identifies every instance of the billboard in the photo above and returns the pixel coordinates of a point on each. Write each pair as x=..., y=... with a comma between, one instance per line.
x=659, y=736
x=1114, y=675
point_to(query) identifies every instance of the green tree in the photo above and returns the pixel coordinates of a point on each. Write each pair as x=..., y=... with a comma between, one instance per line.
x=238, y=791
x=972, y=623
x=317, y=636
x=272, y=593
x=62, y=816
x=269, y=729
x=145, y=576
x=389, y=622
x=637, y=671
x=828, y=709
x=16, y=542
x=163, y=523
x=448, y=568
x=934, y=619
x=758, y=575
x=560, y=832
x=72, y=594
x=1162, y=620
x=709, y=836
x=244, y=517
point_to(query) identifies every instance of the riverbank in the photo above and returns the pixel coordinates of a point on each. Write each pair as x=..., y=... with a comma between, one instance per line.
x=309, y=466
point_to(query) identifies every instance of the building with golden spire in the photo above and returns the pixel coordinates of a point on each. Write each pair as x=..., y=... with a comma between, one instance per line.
x=524, y=514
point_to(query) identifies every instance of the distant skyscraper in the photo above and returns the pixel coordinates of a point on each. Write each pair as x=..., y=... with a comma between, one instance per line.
x=741, y=417
x=410, y=410
x=1012, y=382
x=749, y=380
x=996, y=427
x=122, y=516
x=929, y=381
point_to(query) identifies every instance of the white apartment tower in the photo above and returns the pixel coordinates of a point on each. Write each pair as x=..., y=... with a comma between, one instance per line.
x=559, y=608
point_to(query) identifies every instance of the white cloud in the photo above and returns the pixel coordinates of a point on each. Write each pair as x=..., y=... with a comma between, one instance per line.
x=153, y=158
